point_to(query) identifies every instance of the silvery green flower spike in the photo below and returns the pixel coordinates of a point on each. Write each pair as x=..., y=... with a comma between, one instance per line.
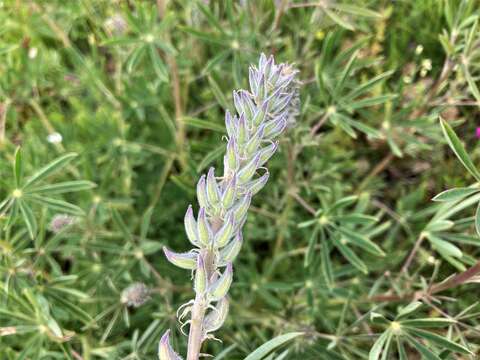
x=264, y=113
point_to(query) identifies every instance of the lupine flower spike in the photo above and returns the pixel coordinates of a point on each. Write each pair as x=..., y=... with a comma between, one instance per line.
x=263, y=113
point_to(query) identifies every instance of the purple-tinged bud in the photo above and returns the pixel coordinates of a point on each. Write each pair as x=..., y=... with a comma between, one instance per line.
x=202, y=192
x=200, y=282
x=182, y=260
x=229, y=253
x=228, y=196
x=165, y=350
x=231, y=156
x=268, y=67
x=224, y=234
x=260, y=114
x=242, y=131
x=275, y=127
x=273, y=99
x=267, y=152
x=215, y=318
x=256, y=185
x=261, y=90
x=213, y=193
x=276, y=75
x=248, y=105
x=238, y=103
x=203, y=227
x=246, y=173
x=230, y=124
x=253, y=80
x=281, y=104
x=191, y=226
x=286, y=79
x=241, y=208
x=220, y=287
x=254, y=142
x=262, y=62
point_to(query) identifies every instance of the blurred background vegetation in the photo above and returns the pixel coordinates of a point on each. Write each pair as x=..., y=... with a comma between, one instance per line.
x=139, y=88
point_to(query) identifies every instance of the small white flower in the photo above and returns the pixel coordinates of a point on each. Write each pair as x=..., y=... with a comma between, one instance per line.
x=54, y=138
x=32, y=53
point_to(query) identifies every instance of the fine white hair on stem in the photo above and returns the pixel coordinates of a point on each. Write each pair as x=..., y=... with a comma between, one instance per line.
x=263, y=113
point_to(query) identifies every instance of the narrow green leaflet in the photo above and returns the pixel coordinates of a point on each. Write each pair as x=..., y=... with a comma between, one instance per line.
x=63, y=187
x=49, y=169
x=422, y=349
x=351, y=256
x=361, y=241
x=441, y=341
x=271, y=345
x=457, y=147
x=455, y=194
x=444, y=247
x=477, y=219
x=28, y=218
x=377, y=347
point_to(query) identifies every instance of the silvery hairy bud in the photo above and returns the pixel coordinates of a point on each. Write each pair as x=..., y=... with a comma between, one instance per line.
x=165, y=351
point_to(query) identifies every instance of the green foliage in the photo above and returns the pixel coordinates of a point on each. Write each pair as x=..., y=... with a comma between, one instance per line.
x=111, y=110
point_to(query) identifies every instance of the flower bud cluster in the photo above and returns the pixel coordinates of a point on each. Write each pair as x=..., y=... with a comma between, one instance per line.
x=216, y=232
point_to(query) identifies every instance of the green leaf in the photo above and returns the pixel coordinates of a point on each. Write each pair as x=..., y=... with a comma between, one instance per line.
x=18, y=167
x=359, y=240
x=147, y=217
x=439, y=225
x=455, y=194
x=357, y=10
x=337, y=19
x=271, y=345
x=422, y=349
x=158, y=65
x=345, y=73
x=203, y=124
x=477, y=219
x=428, y=322
x=350, y=256
x=444, y=247
x=457, y=147
x=441, y=341
x=377, y=347
x=62, y=187
x=371, y=101
x=49, y=169
x=56, y=204
x=327, y=268
x=29, y=218
x=409, y=309
x=357, y=91
x=312, y=242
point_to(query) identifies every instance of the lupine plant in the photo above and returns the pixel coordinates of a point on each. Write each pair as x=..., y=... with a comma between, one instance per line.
x=263, y=113
x=363, y=245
